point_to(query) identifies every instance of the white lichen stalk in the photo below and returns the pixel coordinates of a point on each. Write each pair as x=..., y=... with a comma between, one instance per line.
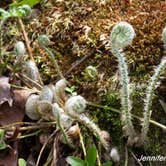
x=122, y=36
x=94, y=128
x=164, y=35
x=149, y=97
x=150, y=92
x=75, y=106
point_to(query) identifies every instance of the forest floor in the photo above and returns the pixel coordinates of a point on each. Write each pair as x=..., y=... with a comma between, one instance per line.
x=76, y=29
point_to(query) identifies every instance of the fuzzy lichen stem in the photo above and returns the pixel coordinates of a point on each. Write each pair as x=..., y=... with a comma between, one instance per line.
x=82, y=118
x=54, y=62
x=149, y=97
x=125, y=90
x=43, y=147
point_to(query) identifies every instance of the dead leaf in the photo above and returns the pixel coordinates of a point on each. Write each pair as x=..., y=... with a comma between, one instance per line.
x=5, y=94
x=12, y=114
x=15, y=113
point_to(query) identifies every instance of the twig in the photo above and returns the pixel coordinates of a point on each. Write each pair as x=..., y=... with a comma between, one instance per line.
x=28, y=44
x=126, y=156
x=77, y=64
x=15, y=124
x=55, y=152
x=136, y=158
x=42, y=149
x=94, y=50
x=27, y=123
x=49, y=159
x=26, y=39
x=29, y=135
x=24, y=88
x=36, y=126
x=134, y=116
x=82, y=142
x=34, y=82
x=98, y=159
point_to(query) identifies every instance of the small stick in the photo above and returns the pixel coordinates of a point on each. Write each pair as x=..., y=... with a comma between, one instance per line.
x=81, y=60
x=29, y=135
x=136, y=158
x=26, y=39
x=55, y=152
x=76, y=64
x=98, y=159
x=28, y=44
x=134, y=116
x=126, y=156
x=27, y=123
x=42, y=149
x=82, y=142
x=34, y=82
x=25, y=88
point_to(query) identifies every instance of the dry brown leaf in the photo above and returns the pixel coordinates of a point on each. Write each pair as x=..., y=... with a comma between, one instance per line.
x=15, y=113
x=9, y=115
x=5, y=94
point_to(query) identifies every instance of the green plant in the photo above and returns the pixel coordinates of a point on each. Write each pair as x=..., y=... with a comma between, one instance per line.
x=31, y=3
x=75, y=106
x=121, y=36
x=90, y=73
x=153, y=83
x=44, y=41
x=90, y=159
x=71, y=90
x=21, y=11
x=2, y=142
x=48, y=106
x=21, y=162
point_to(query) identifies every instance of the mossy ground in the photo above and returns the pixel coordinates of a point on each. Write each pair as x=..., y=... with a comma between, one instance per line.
x=65, y=23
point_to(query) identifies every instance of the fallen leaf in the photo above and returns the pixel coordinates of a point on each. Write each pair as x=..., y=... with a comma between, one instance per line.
x=12, y=114
x=15, y=113
x=5, y=94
